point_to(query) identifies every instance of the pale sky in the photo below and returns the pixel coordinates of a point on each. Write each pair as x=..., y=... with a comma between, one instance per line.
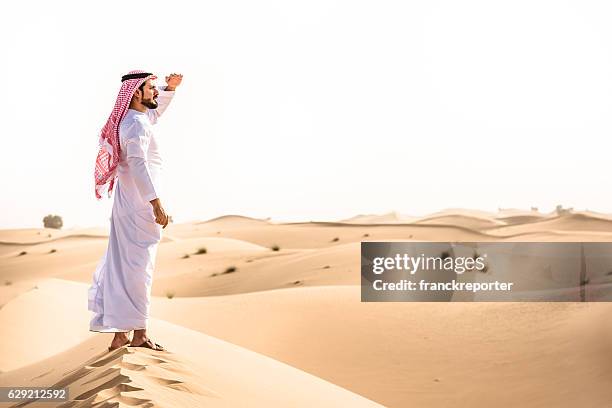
x=314, y=110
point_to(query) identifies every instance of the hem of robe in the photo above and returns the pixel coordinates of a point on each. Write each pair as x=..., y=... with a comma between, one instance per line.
x=130, y=324
x=103, y=329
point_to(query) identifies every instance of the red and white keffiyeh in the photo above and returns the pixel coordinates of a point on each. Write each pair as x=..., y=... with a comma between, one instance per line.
x=109, y=152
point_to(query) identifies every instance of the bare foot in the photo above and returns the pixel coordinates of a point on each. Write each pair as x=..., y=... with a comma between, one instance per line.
x=142, y=340
x=120, y=340
x=148, y=343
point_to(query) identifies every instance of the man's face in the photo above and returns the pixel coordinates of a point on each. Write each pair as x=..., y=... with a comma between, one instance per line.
x=149, y=94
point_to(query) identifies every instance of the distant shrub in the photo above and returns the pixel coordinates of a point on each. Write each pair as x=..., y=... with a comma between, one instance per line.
x=230, y=269
x=169, y=295
x=53, y=221
x=201, y=251
x=275, y=248
x=562, y=211
x=366, y=235
x=8, y=283
x=53, y=251
x=22, y=253
x=326, y=267
x=335, y=239
x=185, y=256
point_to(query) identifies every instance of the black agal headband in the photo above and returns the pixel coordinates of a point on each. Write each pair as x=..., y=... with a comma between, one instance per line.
x=135, y=76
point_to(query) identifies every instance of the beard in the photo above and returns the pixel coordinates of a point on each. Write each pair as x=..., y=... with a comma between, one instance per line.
x=150, y=103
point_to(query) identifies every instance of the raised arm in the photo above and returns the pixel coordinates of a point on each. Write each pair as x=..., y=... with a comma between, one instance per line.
x=166, y=94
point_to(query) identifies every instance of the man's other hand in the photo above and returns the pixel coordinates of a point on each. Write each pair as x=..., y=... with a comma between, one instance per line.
x=160, y=214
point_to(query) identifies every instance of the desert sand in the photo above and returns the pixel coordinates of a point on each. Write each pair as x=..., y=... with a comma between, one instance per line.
x=246, y=325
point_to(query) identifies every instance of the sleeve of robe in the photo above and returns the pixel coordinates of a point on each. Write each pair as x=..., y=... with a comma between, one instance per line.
x=137, y=143
x=163, y=100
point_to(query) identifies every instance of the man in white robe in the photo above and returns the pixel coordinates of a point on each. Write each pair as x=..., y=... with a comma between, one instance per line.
x=121, y=290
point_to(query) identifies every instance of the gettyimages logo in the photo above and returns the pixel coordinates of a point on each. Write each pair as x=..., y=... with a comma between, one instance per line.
x=486, y=271
x=442, y=262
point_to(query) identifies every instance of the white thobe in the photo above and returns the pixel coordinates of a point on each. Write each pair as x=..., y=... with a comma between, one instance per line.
x=120, y=295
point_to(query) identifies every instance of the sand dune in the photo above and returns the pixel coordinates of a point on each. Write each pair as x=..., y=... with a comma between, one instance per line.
x=522, y=217
x=198, y=370
x=420, y=354
x=390, y=218
x=472, y=222
x=287, y=326
x=566, y=222
x=40, y=235
x=206, y=372
x=257, y=271
x=251, y=326
x=233, y=221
